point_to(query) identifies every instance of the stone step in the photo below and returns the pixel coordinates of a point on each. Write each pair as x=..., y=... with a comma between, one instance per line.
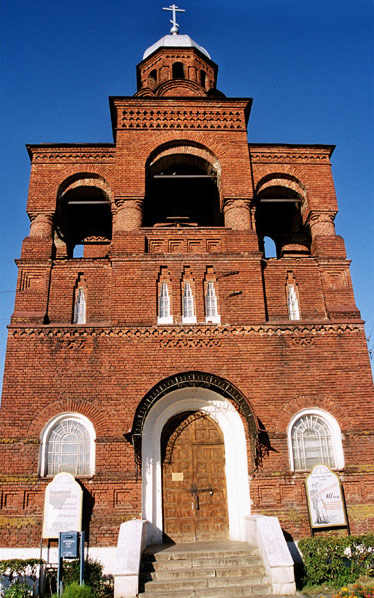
x=215, y=570
x=208, y=561
x=253, y=572
x=202, y=583
x=224, y=592
x=177, y=555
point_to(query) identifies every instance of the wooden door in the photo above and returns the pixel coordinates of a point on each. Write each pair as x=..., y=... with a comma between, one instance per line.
x=194, y=481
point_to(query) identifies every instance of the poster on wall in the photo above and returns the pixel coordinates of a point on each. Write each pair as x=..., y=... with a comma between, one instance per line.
x=325, y=498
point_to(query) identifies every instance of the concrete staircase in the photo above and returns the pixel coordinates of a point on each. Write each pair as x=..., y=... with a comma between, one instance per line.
x=203, y=570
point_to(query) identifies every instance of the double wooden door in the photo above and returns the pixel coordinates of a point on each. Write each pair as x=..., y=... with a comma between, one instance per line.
x=194, y=481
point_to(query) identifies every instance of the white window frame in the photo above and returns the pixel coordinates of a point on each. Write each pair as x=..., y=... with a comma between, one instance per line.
x=164, y=302
x=188, y=297
x=77, y=417
x=293, y=303
x=334, y=428
x=80, y=306
x=214, y=317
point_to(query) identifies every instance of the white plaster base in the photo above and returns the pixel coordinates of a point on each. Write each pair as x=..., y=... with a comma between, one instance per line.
x=130, y=547
x=266, y=533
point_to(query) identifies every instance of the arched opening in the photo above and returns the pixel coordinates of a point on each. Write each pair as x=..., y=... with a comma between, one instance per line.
x=193, y=479
x=203, y=78
x=203, y=395
x=182, y=190
x=84, y=218
x=278, y=217
x=178, y=70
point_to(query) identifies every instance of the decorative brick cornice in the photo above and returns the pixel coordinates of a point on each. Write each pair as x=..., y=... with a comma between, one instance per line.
x=182, y=118
x=262, y=157
x=75, y=155
x=66, y=336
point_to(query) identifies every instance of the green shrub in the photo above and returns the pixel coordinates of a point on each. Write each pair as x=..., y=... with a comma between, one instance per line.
x=74, y=590
x=101, y=585
x=18, y=590
x=337, y=561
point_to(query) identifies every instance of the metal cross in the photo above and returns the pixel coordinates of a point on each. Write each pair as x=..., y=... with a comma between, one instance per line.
x=175, y=28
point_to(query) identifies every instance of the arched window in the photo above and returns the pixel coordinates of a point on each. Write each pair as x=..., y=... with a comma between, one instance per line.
x=178, y=70
x=68, y=446
x=314, y=437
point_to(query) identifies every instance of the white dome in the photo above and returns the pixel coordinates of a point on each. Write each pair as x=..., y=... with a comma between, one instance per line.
x=174, y=41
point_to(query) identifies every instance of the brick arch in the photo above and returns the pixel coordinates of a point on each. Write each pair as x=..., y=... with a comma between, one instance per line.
x=96, y=417
x=184, y=147
x=178, y=87
x=295, y=405
x=194, y=379
x=200, y=140
x=283, y=179
x=87, y=179
x=285, y=171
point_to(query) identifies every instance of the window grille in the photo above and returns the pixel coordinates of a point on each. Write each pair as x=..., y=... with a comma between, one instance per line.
x=211, y=309
x=68, y=448
x=312, y=442
x=292, y=303
x=80, y=307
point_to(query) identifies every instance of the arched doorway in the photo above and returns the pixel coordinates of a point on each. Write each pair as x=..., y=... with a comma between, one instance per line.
x=193, y=479
x=195, y=392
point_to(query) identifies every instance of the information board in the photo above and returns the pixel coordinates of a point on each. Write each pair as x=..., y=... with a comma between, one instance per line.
x=325, y=498
x=62, y=506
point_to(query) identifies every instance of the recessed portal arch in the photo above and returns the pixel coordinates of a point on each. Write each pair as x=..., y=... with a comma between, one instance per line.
x=220, y=410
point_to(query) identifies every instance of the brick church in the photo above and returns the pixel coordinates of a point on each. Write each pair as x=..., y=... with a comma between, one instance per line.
x=184, y=373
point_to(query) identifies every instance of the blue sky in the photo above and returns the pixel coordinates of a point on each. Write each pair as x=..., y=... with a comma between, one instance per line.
x=308, y=64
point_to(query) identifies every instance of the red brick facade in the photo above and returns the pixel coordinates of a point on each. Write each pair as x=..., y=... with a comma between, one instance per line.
x=105, y=197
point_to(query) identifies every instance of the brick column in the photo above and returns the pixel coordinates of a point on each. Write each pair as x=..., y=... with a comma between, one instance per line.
x=38, y=245
x=128, y=216
x=237, y=214
x=41, y=224
x=325, y=242
x=321, y=223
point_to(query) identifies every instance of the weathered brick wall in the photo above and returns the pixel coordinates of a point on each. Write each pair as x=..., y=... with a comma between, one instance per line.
x=103, y=369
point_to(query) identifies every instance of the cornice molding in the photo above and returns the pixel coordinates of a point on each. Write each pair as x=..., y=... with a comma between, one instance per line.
x=182, y=118
x=84, y=156
x=275, y=157
x=72, y=337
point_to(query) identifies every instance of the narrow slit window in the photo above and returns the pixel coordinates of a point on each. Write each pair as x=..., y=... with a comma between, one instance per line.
x=80, y=307
x=188, y=305
x=211, y=308
x=292, y=303
x=164, y=316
